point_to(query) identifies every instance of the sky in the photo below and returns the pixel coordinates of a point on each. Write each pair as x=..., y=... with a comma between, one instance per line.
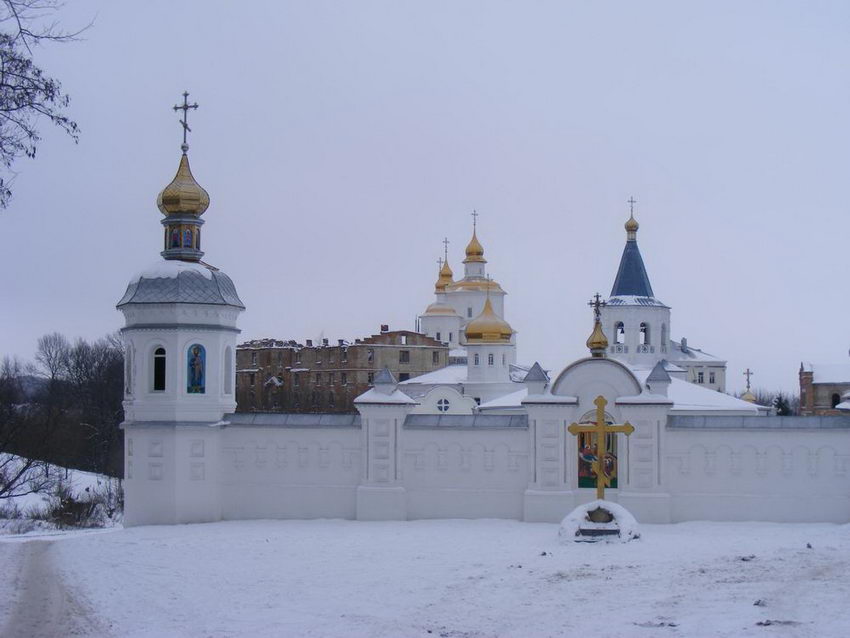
x=340, y=142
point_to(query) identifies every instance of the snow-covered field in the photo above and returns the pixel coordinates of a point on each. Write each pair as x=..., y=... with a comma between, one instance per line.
x=432, y=578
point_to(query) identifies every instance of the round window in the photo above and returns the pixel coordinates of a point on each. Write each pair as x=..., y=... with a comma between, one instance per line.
x=443, y=405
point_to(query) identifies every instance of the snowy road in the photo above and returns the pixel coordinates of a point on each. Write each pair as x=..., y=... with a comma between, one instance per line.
x=447, y=579
x=38, y=603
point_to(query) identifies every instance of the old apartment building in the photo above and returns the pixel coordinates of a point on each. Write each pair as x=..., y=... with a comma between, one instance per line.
x=285, y=376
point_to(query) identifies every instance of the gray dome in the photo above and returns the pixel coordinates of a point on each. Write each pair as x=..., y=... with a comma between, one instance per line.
x=175, y=281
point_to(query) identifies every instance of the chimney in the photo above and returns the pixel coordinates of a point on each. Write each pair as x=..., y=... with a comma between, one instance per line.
x=684, y=344
x=309, y=343
x=385, y=328
x=324, y=342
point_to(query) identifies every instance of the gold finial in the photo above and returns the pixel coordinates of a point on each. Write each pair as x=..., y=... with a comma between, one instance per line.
x=632, y=225
x=599, y=430
x=488, y=327
x=597, y=341
x=474, y=250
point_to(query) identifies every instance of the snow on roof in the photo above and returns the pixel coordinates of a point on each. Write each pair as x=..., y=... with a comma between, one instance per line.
x=511, y=400
x=171, y=268
x=691, y=354
x=375, y=396
x=690, y=396
x=449, y=375
x=829, y=372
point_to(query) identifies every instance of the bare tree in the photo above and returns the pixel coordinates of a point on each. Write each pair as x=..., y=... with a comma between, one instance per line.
x=27, y=94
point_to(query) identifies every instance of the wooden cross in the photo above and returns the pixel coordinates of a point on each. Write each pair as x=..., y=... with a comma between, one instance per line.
x=596, y=303
x=185, y=108
x=600, y=429
x=631, y=201
x=748, y=373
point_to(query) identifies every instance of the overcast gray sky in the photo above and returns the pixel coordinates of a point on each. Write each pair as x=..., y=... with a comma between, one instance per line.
x=340, y=141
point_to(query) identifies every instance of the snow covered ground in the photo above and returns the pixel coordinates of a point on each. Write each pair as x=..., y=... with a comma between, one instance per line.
x=432, y=578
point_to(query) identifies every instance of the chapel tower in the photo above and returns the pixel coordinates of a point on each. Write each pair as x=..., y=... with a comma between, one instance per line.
x=639, y=324
x=180, y=346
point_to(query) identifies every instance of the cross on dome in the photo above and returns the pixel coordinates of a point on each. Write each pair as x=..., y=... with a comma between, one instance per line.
x=185, y=121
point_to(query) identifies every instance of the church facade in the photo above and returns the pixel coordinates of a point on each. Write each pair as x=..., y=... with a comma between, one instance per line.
x=481, y=437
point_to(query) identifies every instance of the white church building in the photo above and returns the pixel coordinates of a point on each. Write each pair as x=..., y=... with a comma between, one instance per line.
x=484, y=437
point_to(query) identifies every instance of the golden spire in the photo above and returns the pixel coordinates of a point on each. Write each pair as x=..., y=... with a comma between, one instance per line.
x=474, y=250
x=183, y=194
x=597, y=341
x=488, y=327
x=632, y=225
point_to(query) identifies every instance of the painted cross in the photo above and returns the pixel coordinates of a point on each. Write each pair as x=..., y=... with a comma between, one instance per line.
x=185, y=108
x=600, y=429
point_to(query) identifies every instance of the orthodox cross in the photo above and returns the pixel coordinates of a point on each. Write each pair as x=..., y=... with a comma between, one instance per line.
x=474, y=220
x=631, y=201
x=748, y=373
x=440, y=263
x=446, y=247
x=596, y=303
x=600, y=429
x=185, y=108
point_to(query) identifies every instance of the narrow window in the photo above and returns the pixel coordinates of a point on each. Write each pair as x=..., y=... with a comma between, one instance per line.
x=700, y=377
x=331, y=378
x=371, y=377
x=345, y=355
x=450, y=337
x=343, y=378
x=159, y=370
x=836, y=399
x=475, y=358
x=490, y=359
x=469, y=311
x=711, y=377
x=619, y=332
x=435, y=357
x=644, y=334
x=331, y=399
x=663, y=335
x=370, y=355
x=296, y=379
x=439, y=337
x=404, y=340
x=404, y=356
x=253, y=358
x=252, y=378
x=504, y=360
x=196, y=362
x=318, y=379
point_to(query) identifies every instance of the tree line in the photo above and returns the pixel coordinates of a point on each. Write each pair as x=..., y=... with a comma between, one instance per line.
x=62, y=408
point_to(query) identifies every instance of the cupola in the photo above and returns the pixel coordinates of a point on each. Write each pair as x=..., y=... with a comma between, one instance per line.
x=488, y=327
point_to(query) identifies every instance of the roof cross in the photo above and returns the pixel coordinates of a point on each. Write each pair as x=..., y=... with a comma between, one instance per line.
x=600, y=429
x=446, y=247
x=185, y=108
x=597, y=304
x=748, y=373
x=631, y=201
x=474, y=220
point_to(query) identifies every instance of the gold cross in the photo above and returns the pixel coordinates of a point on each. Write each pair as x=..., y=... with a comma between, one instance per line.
x=600, y=429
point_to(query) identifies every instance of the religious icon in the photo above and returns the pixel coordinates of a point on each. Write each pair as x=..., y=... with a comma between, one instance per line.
x=175, y=238
x=187, y=238
x=196, y=379
x=588, y=454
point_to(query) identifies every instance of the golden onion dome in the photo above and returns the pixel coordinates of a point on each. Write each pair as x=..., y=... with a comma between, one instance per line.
x=597, y=341
x=488, y=327
x=632, y=227
x=183, y=194
x=439, y=309
x=446, y=277
x=474, y=250
x=749, y=397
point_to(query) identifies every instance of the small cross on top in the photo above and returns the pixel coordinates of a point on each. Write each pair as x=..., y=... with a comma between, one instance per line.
x=446, y=247
x=748, y=373
x=596, y=303
x=631, y=201
x=185, y=108
x=474, y=219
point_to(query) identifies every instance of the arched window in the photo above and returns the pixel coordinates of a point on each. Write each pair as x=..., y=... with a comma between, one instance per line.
x=836, y=399
x=228, y=370
x=159, y=370
x=475, y=358
x=196, y=368
x=643, y=339
x=619, y=332
x=490, y=359
x=663, y=335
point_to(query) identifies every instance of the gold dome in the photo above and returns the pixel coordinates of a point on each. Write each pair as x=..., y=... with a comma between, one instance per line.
x=183, y=194
x=474, y=250
x=749, y=397
x=632, y=227
x=439, y=309
x=476, y=284
x=446, y=277
x=488, y=327
x=597, y=341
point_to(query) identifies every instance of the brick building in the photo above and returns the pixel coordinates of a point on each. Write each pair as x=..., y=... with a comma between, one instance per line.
x=285, y=376
x=822, y=387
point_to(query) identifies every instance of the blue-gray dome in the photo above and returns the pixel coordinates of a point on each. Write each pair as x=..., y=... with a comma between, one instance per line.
x=175, y=281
